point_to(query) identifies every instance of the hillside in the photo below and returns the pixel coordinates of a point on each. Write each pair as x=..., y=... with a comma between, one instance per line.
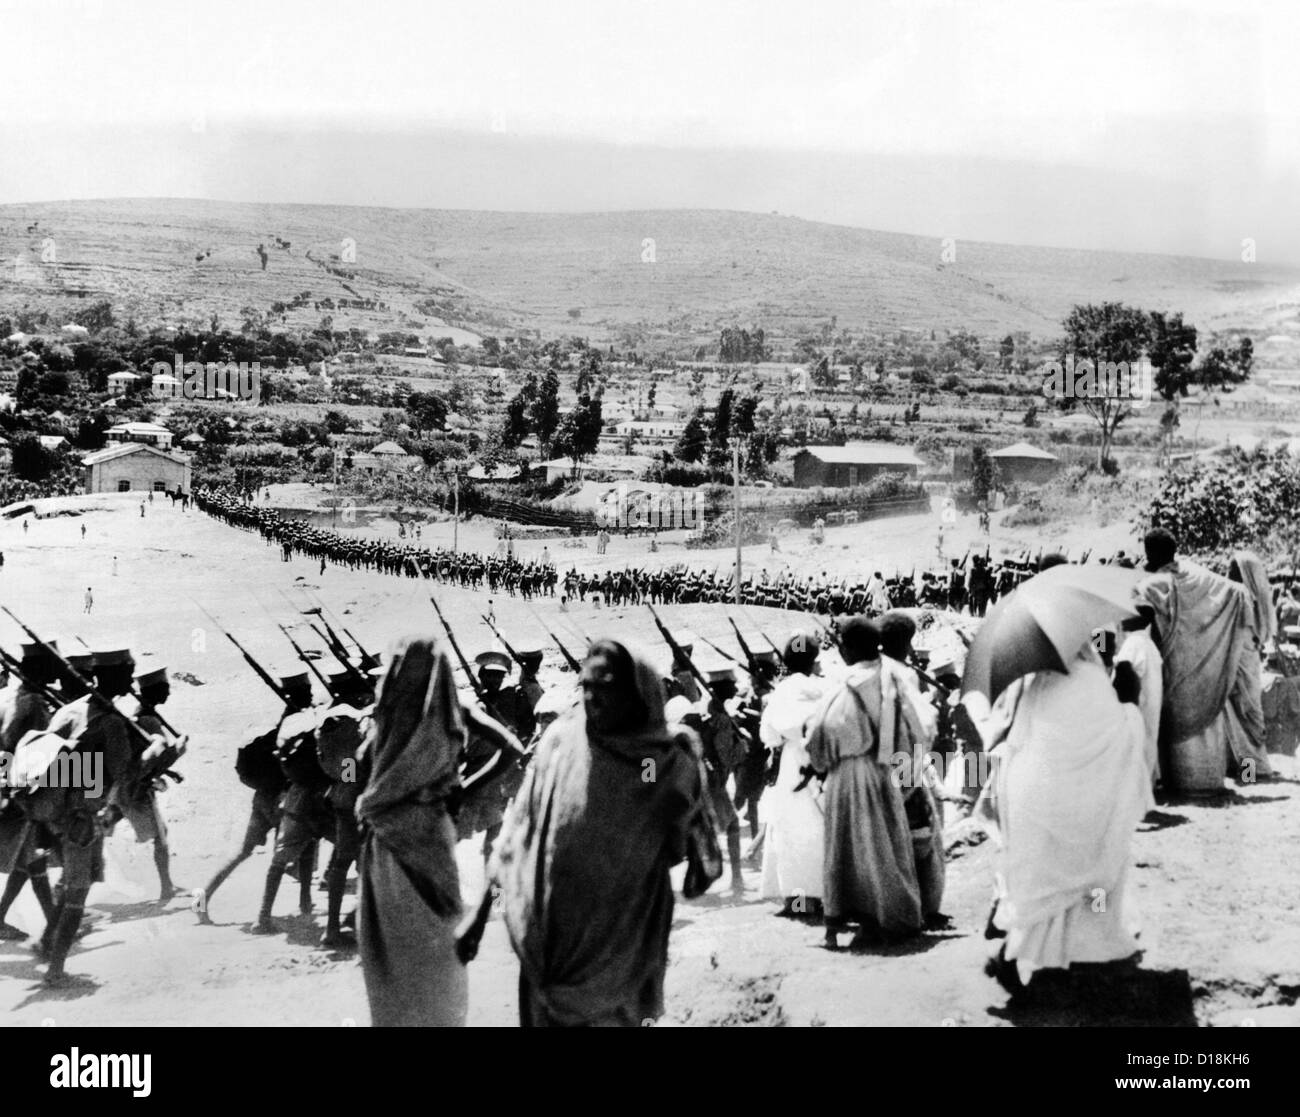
x=509, y=272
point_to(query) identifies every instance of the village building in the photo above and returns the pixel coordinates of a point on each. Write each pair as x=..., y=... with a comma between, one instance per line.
x=136, y=467
x=856, y=463
x=1023, y=464
x=658, y=429
x=150, y=434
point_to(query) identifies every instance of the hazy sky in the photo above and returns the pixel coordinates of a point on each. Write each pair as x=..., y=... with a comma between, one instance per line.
x=1146, y=125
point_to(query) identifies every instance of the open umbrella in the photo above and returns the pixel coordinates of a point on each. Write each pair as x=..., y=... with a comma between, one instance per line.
x=1042, y=624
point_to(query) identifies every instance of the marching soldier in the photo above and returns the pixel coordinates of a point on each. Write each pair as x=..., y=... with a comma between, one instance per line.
x=682, y=679
x=530, y=663
x=24, y=710
x=93, y=728
x=305, y=815
x=504, y=707
x=339, y=741
x=137, y=799
x=724, y=752
x=259, y=770
x=751, y=776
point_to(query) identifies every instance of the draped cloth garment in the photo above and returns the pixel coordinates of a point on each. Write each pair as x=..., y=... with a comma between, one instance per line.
x=409, y=892
x=1070, y=788
x=869, y=874
x=792, y=848
x=583, y=863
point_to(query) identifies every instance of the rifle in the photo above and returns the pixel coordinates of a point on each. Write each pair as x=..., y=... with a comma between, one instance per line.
x=351, y=668
x=728, y=657
x=574, y=665
x=679, y=655
x=311, y=663
x=258, y=669
x=744, y=647
x=504, y=642
x=367, y=660
x=332, y=641
x=479, y=692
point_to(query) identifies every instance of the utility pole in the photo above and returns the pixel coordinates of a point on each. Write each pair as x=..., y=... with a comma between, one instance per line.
x=455, y=526
x=735, y=467
x=334, y=519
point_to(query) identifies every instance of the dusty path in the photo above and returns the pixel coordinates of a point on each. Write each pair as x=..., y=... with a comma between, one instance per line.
x=1217, y=885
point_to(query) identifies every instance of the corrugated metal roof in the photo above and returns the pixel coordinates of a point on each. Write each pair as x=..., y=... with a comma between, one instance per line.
x=121, y=449
x=1024, y=450
x=865, y=453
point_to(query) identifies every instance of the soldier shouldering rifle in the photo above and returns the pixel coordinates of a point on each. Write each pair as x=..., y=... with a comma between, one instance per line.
x=51, y=818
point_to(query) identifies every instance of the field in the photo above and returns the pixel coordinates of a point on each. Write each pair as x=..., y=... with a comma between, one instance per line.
x=440, y=271
x=1215, y=884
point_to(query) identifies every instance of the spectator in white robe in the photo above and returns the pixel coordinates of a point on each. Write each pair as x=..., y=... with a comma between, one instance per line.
x=1069, y=790
x=794, y=829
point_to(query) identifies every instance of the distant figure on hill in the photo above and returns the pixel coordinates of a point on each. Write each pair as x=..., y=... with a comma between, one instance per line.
x=90, y=600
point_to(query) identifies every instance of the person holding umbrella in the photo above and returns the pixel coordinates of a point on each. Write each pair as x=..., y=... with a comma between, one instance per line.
x=1070, y=783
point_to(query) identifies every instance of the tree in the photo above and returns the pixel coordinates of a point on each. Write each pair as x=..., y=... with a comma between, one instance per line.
x=720, y=433
x=1006, y=353
x=426, y=411
x=545, y=413
x=694, y=437
x=1100, y=338
x=1031, y=414
x=336, y=422
x=579, y=431
x=30, y=460
x=514, y=427
x=985, y=476
x=1171, y=349
x=1221, y=370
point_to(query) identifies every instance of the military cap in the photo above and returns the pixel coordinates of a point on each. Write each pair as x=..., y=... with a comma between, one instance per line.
x=151, y=675
x=80, y=661
x=293, y=677
x=531, y=658
x=721, y=674
x=493, y=661
x=340, y=676
x=35, y=650
x=686, y=648
x=768, y=657
x=112, y=657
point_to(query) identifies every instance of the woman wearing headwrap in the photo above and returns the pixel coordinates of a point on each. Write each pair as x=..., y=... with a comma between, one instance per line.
x=408, y=897
x=1247, y=732
x=583, y=858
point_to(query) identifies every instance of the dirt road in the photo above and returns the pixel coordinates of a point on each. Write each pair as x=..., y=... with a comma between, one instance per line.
x=1217, y=885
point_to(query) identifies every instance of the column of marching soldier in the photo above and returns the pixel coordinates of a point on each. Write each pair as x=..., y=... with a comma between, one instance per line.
x=305, y=772
x=973, y=582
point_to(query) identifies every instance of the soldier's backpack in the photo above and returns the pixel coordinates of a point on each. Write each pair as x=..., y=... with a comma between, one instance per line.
x=726, y=742
x=296, y=752
x=337, y=742
x=35, y=777
x=257, y=767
